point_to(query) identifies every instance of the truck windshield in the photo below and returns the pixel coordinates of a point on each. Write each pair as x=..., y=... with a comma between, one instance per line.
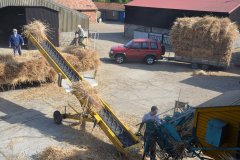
x=128, y=44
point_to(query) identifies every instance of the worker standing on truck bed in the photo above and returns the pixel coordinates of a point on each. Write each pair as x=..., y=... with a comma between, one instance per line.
x=151, y=143
x=14, y=41
x=81, y=36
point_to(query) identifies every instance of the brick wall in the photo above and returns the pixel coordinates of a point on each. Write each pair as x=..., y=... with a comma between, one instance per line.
x=92, y=14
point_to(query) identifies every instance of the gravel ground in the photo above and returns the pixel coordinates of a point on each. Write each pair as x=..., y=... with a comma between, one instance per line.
x=26, y=126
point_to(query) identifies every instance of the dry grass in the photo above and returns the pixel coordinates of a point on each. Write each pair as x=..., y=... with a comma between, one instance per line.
x=55, y=152
x=227, y=156
x=209, y=73
x=185, y=132
x=207, y=37
x=32, y=67
x=38, y=29
x=84, y=90
x=87, y=59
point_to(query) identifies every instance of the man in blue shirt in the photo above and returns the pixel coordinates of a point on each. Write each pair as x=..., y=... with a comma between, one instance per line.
x=14, y=42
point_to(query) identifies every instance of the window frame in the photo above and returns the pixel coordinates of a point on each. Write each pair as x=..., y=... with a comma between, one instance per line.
x=154, y=48
x=135, y=43
x=142, y=45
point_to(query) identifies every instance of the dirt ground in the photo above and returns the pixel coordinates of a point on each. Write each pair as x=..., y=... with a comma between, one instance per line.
x=26, y=124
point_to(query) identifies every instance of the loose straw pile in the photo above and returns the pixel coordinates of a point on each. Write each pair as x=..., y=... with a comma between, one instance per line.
x=32, y=67
x=83, y=90
x=38, y=29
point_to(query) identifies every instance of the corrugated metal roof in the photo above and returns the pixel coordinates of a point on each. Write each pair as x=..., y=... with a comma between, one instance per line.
x=77, y=4
x=231, y=98
x=226, y=6
x=69, y=18
x=110, y=5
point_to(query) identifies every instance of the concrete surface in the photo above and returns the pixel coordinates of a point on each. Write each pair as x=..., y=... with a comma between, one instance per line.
x=130, y=88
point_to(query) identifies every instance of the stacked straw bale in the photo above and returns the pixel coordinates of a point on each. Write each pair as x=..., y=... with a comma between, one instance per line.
x=32, y=67
x=205, y=38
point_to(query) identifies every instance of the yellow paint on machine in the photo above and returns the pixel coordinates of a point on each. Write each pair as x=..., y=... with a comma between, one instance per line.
x=230, y=114
x=113, y=138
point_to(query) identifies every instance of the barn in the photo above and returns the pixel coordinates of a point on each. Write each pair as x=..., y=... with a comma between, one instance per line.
x=63, y=21
x=85, y=6
x=111, y=11
x=157, y=16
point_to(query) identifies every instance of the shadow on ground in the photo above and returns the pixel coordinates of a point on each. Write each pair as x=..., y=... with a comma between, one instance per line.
x=7, y=87
x=16, y=114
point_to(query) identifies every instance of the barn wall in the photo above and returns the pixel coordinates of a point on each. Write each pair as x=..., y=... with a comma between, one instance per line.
x=230, y=116
x=67, y=37
x=160, y=17
x=68, y=20
x=234, y=16
x=109, y=14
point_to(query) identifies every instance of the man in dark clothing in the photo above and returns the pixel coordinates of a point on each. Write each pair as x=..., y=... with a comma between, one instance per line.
x=14, y=41
x=81, y=36
x=151, y=147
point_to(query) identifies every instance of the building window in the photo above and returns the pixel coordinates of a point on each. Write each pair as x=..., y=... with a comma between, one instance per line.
x=113, y=13
x=154, y=46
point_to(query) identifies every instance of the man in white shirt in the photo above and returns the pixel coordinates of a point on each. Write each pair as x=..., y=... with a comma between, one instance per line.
x=151, y=115
x=81, y=35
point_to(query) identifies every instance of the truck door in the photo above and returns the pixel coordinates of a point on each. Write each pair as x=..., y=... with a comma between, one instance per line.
x=144, y=49
x=134, y=51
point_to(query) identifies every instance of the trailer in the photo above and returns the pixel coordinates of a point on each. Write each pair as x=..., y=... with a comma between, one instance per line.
x=199, y=63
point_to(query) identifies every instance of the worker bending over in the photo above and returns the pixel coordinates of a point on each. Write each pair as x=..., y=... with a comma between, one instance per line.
x=15, y=42
x=151, y=115
x=81, y=36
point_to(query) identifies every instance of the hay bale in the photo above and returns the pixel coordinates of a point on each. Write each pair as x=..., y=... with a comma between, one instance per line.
x=32, y=67
x=38, y=29
x=84, y=90
x=207, y=37
x=87, y=59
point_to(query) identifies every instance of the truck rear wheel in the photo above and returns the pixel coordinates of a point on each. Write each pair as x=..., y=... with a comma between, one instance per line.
x=150, y=60
x=204, y=67
x=194, y=66
x=119, y=59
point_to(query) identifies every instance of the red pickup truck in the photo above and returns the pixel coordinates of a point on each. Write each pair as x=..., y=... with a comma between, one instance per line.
x=148, y=50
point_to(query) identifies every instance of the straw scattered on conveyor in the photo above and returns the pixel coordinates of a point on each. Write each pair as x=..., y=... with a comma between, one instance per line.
x=84, y=90
x=39, y=29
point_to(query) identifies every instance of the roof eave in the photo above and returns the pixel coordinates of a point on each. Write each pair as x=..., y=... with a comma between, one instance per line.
x=111, y=9
x=182, y=9
x=233, y=9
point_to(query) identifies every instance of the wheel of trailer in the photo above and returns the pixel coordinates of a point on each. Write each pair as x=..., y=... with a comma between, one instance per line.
x=150, y=60
x=194, y=66
x=120, y=59
x=57, y=117
x=204, y=67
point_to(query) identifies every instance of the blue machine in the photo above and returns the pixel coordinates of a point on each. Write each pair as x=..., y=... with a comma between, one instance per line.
x=169, y=135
